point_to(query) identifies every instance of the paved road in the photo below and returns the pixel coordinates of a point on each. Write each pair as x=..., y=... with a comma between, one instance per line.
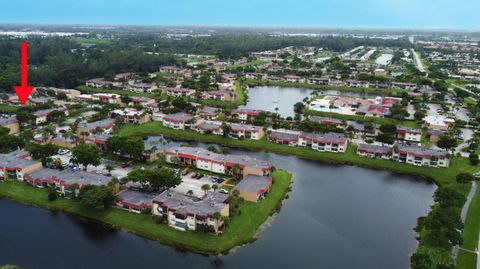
x=418, y=61
x=463, y=216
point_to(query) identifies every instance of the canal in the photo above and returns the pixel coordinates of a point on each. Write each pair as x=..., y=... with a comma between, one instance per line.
x=336, y=216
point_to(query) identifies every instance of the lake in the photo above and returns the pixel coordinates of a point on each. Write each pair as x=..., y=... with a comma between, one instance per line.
x=336, y=216
x=269, y=97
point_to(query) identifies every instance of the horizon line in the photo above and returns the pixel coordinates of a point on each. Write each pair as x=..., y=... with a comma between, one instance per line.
x=307, y=27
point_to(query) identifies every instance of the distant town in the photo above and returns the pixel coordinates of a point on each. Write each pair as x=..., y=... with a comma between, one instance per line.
x=155, y=133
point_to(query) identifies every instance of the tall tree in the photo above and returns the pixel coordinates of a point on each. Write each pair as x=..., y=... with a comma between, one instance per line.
x=86, y=154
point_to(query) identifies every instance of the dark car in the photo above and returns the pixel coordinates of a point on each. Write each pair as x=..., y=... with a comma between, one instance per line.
x=184, y=172
x=194, y=175
x=200, y=176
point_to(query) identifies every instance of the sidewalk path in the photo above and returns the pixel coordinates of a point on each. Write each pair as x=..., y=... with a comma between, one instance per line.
x=463, y=216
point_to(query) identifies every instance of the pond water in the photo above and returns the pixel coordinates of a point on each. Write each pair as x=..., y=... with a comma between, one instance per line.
x=284, y=98
x=336, y=216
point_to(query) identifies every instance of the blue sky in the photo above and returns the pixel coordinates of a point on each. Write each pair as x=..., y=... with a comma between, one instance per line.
x=439, y=14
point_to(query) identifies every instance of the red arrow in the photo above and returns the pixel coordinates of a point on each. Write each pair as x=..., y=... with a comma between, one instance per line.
x=23, y=91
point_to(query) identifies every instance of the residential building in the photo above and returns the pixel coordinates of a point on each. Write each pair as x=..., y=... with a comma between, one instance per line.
x=67, y=182
x=135, y=201
x=326, y=120
x=437, y=122
x=109, y=98
x=180, y=92
x=143, y=87
x=185, y=213
x=179, y=121
x=170, y=69
x=16, y=164
x=10, y=122
x=89, y=127
x=218, y=163
x=209, y=113
x=132, y=115
x=253, y=187
x=331, y=142
x=245, y=114
x=99, y=83
x=210, y=127
x=221, y=95
x=434, y=134
x=284, y=138
x=246, y=131
x=408, y=134
x=99, y=140
x=421, y=156
x=374, y=151
x=41, y=115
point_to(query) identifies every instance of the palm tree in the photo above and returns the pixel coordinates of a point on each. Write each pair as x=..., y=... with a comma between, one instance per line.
x=45, y=136
x=236, y=171
x=214, y=187
x=109, y=168
x=190, y=193
x=205, y=188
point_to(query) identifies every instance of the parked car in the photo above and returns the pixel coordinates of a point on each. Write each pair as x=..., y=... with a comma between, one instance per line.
x=63, y=152
x=223, y=191
x=199, y=176
x=184, y=172
x=194, y=175
x=220, y=180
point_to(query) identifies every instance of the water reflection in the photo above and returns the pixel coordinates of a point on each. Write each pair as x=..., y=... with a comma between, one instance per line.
x=335, y=217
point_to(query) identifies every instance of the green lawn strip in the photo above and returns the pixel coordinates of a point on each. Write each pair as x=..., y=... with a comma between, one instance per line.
x=470, y=235
x=384, y=92
x=8, y=108
x=241, y=230
x=441, y=176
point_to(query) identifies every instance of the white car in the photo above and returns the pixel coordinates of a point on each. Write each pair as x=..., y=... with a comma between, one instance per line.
x=223, y=191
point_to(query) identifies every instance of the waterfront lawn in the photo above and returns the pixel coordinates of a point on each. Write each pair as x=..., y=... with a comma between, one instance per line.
x=441, y=176
x=383, y=92
x=470, y=235
x=241, y=230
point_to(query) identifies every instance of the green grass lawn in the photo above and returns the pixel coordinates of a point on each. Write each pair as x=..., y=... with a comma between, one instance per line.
x=470, y=235
x=241, y=230
x=441, y=176
x=383, y=92
x=8, y=108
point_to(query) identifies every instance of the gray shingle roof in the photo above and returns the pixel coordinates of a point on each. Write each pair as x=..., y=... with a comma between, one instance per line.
x=183, y=204
x=253, y=183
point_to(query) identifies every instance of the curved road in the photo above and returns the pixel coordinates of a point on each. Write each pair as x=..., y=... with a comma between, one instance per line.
x=463, y=216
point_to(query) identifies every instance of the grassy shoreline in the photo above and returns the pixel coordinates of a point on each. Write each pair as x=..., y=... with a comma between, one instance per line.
x=442, y=177
x=242, y=228
x=384, y=92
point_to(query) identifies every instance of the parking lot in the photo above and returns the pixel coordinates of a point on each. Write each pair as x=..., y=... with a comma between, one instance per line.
x=118, y=172
x=194, y=184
